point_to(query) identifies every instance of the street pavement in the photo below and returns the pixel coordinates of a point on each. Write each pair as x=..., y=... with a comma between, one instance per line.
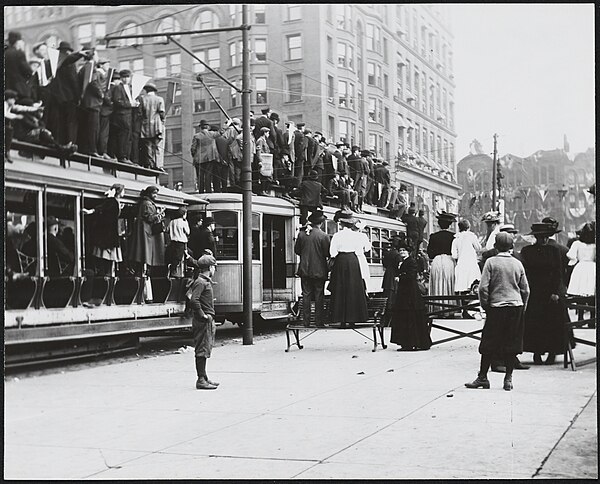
x=332, y=410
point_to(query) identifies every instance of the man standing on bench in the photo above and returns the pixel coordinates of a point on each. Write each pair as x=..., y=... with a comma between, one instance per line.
x=312, y=245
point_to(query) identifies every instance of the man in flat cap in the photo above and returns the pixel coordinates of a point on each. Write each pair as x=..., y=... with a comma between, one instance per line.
x=91, y=102
x=152, y=110
x=123, y=103
x=201, y=303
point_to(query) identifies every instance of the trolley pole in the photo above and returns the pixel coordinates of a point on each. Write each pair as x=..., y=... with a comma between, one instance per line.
x=494, y=173
x=246, y=185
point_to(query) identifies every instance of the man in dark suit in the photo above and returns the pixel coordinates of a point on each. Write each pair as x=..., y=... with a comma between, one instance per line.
x=300, y=146
x=312, y=245
x=382, y=176
x=59, y=256
x=412, y=228
x=65, y=91
x=276, y=136
x=123, y=103
x=309, y=191
x=43, y=74
x=422, y=223
x=204, y=239
x=16, y=68
x=91, y=102
x=262, y=121
x=108, y=86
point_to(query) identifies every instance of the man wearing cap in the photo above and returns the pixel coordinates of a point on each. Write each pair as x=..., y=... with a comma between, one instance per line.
x=262, y=121
x=203, y=240
x=16, y=68
x=485, y=255
x=91, y=103
x=123, y=103
x=59, y=256
x=337, y=186
x=278, y=147
x=152, y=110
x=312, y=245
x=65, y=91
x=205, y=155
x=201, y=302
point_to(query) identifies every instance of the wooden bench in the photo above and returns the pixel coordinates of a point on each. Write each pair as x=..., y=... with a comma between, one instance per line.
x=375, y=309
x=458, y=302
x=581, y=304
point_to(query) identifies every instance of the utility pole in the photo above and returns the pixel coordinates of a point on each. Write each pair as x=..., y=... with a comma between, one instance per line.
x=246, y=182
x=494, y=173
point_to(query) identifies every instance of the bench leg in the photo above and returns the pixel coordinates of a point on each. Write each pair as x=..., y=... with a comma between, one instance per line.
x=381, y=334
x=374, y=339
x=287, y=337
x=297, y=335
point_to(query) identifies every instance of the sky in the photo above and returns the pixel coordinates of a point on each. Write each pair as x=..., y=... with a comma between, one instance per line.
x=525, y=72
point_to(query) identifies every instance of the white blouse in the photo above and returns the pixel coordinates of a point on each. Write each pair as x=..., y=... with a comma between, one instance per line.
x=346, y=240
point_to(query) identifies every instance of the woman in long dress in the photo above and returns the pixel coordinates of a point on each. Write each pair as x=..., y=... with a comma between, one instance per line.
x=363, y=246
x=409, y=322
x=439, y=250
x=348, y=296
x=546, y=311
x=465, y=248
x=583, y=254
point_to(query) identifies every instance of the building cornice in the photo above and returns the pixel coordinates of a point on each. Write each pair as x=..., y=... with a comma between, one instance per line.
x=429, y=177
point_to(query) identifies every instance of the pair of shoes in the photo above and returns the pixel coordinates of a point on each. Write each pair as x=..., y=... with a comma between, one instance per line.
x=7, y=158
x=126, y=161
x=550, y=359
x=106, y=156
x=406, y=348
x=148, y=301
x=498, y=369
x=508, y=386
x=479, y=383
x=520, y=366
x=203, y=384
x=537, y=358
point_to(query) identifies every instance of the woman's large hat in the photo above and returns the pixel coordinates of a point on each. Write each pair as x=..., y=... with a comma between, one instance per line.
x=443, y=215
x=542, y=228
x=345, y=216
x=491, y=216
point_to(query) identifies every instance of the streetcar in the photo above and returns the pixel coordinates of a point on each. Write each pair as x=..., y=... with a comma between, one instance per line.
x=275, y=225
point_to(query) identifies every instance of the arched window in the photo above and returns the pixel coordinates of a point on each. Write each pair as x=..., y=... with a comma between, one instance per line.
x=206, y=20
x=169, y=24
x=131, y=28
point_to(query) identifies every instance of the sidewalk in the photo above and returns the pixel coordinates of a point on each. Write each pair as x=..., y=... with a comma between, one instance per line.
x=332, y=410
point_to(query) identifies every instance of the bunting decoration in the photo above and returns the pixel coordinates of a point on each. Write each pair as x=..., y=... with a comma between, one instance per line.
x=543, y=192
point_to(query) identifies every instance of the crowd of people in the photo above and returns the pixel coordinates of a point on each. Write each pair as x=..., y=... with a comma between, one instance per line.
x=80, y=105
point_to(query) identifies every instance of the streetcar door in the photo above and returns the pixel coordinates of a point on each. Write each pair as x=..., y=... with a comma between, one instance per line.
x=273, y=257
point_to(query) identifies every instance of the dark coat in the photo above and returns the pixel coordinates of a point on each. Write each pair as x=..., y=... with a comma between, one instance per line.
x=412, y=226
x=201, y=238
x=440, y=243
x=313, y=250
x=105, y=228
x=120, y=102
x=422, y=223
x=544, y=320
x=278, y=141
x=300, y=146
x=65, y=87
x=310, y=193
x=147, y=247
x=391, y=260
x=312, y=148
x=261, y=122
x=17, y=72
x=409, y=321
x=93, y=96
x=107, y=104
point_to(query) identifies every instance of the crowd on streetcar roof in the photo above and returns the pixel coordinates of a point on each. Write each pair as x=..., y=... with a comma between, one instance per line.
x=82, y=105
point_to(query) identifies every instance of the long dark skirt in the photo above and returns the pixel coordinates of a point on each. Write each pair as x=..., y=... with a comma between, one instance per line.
x=545, y=325
x=503, y=331
x=410, y=328
x=348, y=298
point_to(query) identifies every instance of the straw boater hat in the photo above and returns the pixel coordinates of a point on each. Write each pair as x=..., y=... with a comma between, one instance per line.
x=509, y=228
x=543, y=229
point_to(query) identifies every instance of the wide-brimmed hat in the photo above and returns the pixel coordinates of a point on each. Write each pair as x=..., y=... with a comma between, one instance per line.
x=65, y=46
x=491, y=216
x=150, y=86
x=274, y=117
x=344, y=215
x=317, y=217
x=265, y=110
x=504, y=241
x=542, y=228
x=52, y=220
x=508, y=228
x=443, y=215
x=152, y=189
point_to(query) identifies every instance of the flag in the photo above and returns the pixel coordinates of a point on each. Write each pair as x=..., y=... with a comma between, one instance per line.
x=53, y=56
x=543, y=191
x=170, y=97
x=138, y=81
x=109, y=77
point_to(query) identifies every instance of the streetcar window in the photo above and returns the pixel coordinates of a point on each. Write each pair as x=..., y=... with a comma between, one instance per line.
x=60, y=233
x=255, y=236
x=376, y=243
x=21, y=232
x=226, y=234
x=367, y=231
x=331, y=227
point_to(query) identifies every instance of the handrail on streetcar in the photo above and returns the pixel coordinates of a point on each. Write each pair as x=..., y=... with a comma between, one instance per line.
x=87, y=160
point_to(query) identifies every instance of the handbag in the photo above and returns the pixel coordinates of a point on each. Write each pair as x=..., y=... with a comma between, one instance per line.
x=158, y=227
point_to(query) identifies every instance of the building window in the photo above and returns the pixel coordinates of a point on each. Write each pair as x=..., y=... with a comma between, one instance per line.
x=387, y=150
x=350, y=57
x=371, y=73
x=169, y=24
x=343, y=16
x=160, y=66
x=234, y=10
x=343, y=94
x=99, y=33
x=129, y=29
x=294, y=82
x=386, y=119
x=199, y=100
x=330, y=90
x=175, y=61
x=351, y=103
x=234, y=97
x=259, y=13
x=331, y=127
x=416, y=85
x=329, y=49
x=206, y=20
x=294, y=47
x=408, y=76
x=372, y=110
x=445, y=153
x=260, y=49
x=425, y=142
x=385, y=50
x=261, y=90
x=84, y=35
x=380, y=111
x=418, y=138
x=294, y=11
x=214, y=58
x=174, y=140
x=373, y=142
x=373, y=38
x=439, y=149
x=232, y=55
x=343, y=130
x=386, y=88
x=352, y=133
x=137, y=66
x=198, y=67
x=360, y=105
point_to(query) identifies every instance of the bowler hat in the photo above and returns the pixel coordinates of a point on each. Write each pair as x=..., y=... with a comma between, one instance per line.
x=116, y=75
x=150, y=86
x=203, y=123
x=313, y=175
x=265, y=110
x=443, y=215
x=14, y=37
x=65, y=46
x=543, y=229
x=300, y=125
x=151, y=189
x=207, y=221
x=504, y=241
x=274, y=117
x=317, y=217
x=205, y=261
x=365, y=153
x=52, y=220
x=10, y=94
x=125, y=73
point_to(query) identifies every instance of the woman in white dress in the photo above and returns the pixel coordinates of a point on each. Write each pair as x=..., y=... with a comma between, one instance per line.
x=583, y=253
x=465, y=248
x=363, y=245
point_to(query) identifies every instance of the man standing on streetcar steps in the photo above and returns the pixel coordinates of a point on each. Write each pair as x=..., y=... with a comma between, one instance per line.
x=205, y=239
x=312, y=245
x=201, y=302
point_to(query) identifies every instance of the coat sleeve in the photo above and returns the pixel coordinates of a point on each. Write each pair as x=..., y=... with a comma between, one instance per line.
x=196, y=293
x=194, y=147
x=455, y=249
x=149, y=212
x=572, y=254
x=298, y=245
x=484, y=285
x=523, y=285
